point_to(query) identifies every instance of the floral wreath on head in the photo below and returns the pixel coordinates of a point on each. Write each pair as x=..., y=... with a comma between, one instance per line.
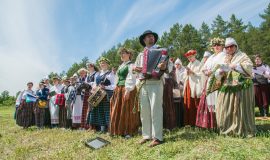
x=217, y=40
x=105, y=60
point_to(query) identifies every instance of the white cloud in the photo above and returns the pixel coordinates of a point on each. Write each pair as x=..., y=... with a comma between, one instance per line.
x=27, y=46
x=210, y=9
x=141, y=12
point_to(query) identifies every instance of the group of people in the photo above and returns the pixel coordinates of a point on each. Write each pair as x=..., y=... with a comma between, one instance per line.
x=217, y=93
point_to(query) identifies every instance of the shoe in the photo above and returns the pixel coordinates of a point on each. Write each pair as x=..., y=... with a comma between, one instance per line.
x=142, y=141
x=154, y=143
x=127, y=137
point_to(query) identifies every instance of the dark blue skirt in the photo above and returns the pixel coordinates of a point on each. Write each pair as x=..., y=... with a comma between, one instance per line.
x=100, y=115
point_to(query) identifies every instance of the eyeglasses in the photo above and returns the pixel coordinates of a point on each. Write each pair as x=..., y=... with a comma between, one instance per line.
x=216, y=45
x=229, y=47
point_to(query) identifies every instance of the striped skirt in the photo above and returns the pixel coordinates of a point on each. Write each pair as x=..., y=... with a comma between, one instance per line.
x=25, y=114
x=62, y=116
x=40, y=116
x=85, y=111
x=100, y=115
x=123, y=120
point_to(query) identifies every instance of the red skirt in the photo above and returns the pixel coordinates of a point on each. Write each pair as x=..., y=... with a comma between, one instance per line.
x=206, y=117
x=190, y=107
x=262, y=95
x=123, y=120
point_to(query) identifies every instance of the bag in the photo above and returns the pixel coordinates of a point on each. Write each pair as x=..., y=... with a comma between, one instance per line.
x=30, y=98
x=42, y=104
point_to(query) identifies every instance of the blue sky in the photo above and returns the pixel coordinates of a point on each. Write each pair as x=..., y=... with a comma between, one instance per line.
x=41, y=36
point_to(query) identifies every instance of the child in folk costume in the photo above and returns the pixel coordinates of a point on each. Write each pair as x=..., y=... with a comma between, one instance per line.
x=192, y=88
x=178, y=92
x=100, y=115
x=54, y=108
x=25, y=112
x=260, y=74
x=42, y=94
x=124, y=120
x=206, y=113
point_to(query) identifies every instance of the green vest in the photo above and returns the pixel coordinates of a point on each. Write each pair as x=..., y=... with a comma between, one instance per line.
x=122, y=75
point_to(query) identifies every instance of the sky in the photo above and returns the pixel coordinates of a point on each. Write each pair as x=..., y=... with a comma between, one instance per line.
x=42, y=36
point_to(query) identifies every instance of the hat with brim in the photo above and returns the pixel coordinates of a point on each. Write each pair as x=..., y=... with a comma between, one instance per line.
x=190, y=53
x=146, y=33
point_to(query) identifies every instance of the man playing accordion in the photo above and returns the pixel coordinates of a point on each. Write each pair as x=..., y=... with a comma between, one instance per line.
x=151, y=92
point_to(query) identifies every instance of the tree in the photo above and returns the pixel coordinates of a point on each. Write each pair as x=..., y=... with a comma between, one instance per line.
x=205, y=34
x=265, y=34
x=219, y=27
x=237, y=30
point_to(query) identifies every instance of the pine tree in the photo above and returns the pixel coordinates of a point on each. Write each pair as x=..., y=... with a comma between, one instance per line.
x=219, y=27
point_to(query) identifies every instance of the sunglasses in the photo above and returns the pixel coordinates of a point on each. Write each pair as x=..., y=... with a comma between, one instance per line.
x=216, y=45
x=229, y=47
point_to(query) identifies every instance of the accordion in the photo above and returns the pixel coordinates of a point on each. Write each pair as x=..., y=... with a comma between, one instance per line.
x=151, y=59
x=96, y=97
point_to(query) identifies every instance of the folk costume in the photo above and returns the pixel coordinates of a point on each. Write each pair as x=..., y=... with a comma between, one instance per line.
x=206, y=112
x=100, y=115
x=261, y=88
x=55, y=92
x=25, y=113
x=192, y=90
x=91, y=81
x=42, y=103
x=178, y=93
x=235, y=100
x=124, y=120
x=150, y=97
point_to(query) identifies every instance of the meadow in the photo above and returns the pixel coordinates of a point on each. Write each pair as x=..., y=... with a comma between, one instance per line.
x=184, y=143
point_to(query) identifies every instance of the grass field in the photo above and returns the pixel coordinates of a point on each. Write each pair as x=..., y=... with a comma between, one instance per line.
x=184, y=143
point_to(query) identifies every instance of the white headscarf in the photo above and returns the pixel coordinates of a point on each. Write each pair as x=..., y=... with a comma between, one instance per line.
x=207, y=54
x=178, y=61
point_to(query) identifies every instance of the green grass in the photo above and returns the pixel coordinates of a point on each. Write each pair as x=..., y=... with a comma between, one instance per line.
x=186, y=143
